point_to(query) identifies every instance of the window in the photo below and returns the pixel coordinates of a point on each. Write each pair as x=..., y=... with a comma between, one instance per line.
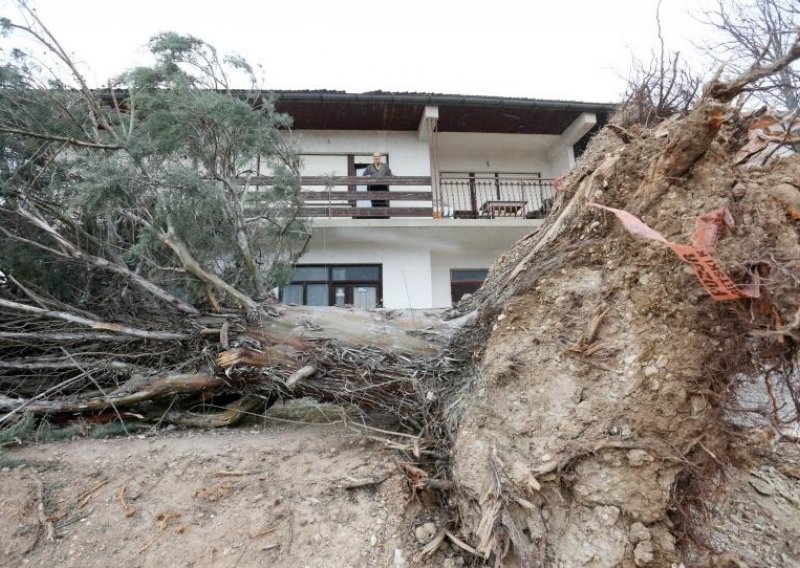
x=359, y=285
x=465, y=281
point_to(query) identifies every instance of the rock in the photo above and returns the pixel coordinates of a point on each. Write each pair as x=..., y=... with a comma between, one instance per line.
x=630, y=359
x=698, y=403
x=449, y=563
x=643, y=553
x=639, y=533
x=425, y=532
x=650, y=370
x=609, y=515
x=638, y=458
x=762, y=486
x=399, y=561
x=373, y=540
x=785, y=194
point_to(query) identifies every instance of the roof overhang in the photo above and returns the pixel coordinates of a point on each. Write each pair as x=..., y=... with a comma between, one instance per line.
x=334, y=110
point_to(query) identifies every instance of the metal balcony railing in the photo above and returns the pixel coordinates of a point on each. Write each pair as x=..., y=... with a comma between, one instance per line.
x=476, y=196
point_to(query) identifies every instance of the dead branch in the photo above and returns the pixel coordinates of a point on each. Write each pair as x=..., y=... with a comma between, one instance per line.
x=47, y=525
x=193, y=267
x=299, y=375
x=232, y=414
x=99, y=325
x=726, y=92
x=65, y=337
x=157, y=387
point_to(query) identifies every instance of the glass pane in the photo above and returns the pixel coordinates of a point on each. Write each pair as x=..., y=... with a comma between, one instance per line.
x=310, y=274
x=317, y=294
x=468, y=274
x=365, y=297
x=292, y=294
x=339, y=296
x=356, y=273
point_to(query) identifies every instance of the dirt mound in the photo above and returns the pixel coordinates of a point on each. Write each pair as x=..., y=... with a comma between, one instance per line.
x=599, y=431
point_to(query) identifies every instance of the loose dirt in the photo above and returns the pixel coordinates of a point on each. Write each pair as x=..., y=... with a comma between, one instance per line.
x=271, y=496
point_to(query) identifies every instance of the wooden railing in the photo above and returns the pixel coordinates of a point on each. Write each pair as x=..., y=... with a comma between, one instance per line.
x=339, y=196
x=464, y=197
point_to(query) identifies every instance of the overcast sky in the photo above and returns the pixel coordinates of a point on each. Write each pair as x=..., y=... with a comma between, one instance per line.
x=558, y=49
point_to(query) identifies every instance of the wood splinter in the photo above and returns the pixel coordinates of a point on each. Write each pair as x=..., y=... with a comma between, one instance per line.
x=299, y=375
x=49, y=529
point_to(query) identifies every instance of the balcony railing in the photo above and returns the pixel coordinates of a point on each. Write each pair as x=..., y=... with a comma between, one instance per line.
x=462, y=197
x=476, y=196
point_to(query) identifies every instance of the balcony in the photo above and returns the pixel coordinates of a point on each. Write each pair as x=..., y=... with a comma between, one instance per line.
x=461, y=197
x=491, y=196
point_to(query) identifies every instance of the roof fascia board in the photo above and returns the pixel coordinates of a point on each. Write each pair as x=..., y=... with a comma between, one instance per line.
x=441, y=100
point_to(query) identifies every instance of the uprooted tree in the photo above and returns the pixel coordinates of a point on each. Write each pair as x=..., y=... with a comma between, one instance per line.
x=579, y=406
x=140, y=259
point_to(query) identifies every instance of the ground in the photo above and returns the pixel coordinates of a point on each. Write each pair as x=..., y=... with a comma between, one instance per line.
x=274, y=495
x=271, y=495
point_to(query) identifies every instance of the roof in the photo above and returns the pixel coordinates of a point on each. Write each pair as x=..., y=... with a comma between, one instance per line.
x=382, y=110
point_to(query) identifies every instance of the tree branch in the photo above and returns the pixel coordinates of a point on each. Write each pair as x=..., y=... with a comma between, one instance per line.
x=98, y=325
x=55, y=138
x=156, y=387
x=194, y=268
x=725, y=92
x=106, y=264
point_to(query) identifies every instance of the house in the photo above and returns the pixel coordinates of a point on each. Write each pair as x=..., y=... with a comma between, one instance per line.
x=471, y=176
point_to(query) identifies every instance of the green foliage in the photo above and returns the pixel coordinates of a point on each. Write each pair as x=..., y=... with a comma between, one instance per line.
x=164, y=153
x=22, y=429
x=47, y=432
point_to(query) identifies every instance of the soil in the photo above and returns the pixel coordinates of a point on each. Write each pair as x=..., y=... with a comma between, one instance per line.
x=601, y=428
x=266, y=496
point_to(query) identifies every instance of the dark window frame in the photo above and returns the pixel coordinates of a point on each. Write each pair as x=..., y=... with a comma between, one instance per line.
x=458, y=283
x=331, y=283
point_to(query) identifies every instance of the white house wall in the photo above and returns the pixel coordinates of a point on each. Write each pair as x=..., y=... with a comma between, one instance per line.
x=324, y=152
x=406, y=270
x=418, y=254
x=408, y=156
x=563, y=161
x=505, y=153
x=416, y=259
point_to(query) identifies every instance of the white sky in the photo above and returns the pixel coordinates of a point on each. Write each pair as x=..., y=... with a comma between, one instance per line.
x=556, y=49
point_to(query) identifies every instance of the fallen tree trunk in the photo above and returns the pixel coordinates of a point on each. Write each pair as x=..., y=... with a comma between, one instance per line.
x=384, y=361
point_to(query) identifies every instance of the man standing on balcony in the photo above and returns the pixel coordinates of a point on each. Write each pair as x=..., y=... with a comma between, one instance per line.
x=378, y=169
